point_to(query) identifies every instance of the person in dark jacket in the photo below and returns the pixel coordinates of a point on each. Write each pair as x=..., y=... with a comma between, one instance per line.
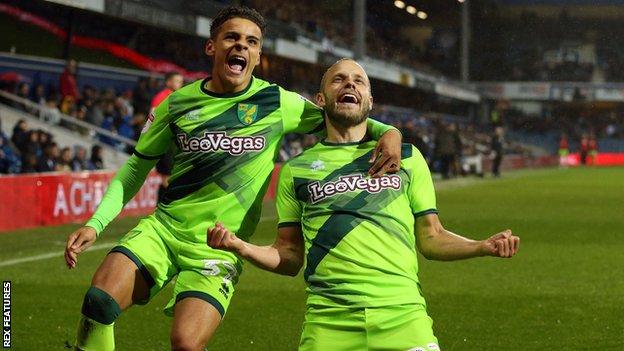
x=48, y=162
x=497, y=150
x=445, y=149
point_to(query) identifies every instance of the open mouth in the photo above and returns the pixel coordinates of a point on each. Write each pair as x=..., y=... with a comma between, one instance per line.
x=348, y=98
x=237, y=63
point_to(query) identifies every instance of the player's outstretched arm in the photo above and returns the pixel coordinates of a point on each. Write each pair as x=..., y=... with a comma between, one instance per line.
x=77, y=242
x=437, y=243
x=285, y=256
x=121, y=189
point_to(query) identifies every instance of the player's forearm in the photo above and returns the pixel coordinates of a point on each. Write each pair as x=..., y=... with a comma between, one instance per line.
x=280, y=260
x=376, y=129
x=121, y=189
x=442, y=245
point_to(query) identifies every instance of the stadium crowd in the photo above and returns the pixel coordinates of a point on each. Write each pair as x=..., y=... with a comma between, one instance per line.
x=35, y=150
x=451, y=145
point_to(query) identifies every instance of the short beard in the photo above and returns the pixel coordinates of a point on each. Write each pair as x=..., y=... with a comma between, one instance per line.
x=347, y=120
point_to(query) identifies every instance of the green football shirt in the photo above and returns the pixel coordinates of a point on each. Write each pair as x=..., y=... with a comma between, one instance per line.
x=358, y=231
x=224, y=151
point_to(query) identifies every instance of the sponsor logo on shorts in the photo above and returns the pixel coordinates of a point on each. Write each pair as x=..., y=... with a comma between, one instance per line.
x=220, y=141
x=351, y=183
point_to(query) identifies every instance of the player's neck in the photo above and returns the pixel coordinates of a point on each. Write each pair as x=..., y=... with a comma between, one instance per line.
x=340, y=134
x=217, y=86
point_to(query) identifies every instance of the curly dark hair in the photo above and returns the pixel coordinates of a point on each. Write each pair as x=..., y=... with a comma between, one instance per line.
x=236, y=12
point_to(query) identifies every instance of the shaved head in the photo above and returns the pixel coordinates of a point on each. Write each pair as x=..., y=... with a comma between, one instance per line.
x=345, y=93
x=344, y=59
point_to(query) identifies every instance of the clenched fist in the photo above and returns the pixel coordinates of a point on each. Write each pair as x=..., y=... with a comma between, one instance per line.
x=222, y=239
x=503, y=244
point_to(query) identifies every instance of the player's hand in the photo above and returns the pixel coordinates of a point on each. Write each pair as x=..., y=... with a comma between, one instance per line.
x=386, y=155
x=77, y=242
x=222, y=239
x=503, y=244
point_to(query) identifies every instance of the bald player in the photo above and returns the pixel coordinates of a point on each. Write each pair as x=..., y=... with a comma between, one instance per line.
x=358, y=234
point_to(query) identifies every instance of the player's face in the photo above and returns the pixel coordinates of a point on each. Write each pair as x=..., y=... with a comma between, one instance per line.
x=346, y=95
x=174, y=83
x=236, y=52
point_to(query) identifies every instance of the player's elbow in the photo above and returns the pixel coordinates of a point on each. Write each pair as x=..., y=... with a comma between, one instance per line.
x=428, y=242
x=427, y=254
x=428, y=251
x=294, y=265
x=293, y=271
x=288, y=267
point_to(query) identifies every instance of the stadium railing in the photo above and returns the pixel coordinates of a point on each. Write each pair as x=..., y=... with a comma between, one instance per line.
x=94, y=131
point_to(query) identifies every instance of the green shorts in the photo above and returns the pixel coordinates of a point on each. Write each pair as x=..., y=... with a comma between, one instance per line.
x=400, y=328
x=200, y=271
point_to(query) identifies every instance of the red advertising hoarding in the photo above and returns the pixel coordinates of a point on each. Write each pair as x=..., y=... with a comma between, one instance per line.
x=56, y=198
x=36, y=200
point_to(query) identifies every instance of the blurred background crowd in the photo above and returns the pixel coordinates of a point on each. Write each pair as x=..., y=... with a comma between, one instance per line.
x=453, y=135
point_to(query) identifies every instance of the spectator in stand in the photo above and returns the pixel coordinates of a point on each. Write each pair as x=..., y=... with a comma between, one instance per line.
x=137, y=124
x=564, y=150
x=124, y=103
x=63, y=163
x=9, y=162
x=68, y=86
x=39, y=95
x=96, y=162
x=48, y=162
x=33, y=145
x=141, y=97
x=593, y=150
x=109, y=124
x=23, y=91
x=95, y=112
x=29, y=163
x=420, y=143
x=52, y=114
x=20, y=135
x=456, y=168
x=173, y=82
x=3, y=135
x=445, y=149
x=497, y=150
x=44, y=138
x=79, y=162
x=584, y=148
x=39, y=98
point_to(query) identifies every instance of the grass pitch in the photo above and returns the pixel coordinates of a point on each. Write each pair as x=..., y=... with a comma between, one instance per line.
x=564, y=290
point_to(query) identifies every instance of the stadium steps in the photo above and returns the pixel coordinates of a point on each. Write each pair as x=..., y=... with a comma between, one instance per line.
x=113, y=158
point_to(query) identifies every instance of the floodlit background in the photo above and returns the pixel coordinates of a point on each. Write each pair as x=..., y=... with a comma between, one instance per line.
x=550, y=73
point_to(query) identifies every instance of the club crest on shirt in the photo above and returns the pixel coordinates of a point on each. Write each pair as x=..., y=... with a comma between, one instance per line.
x=350, y=183
x=247, y=113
